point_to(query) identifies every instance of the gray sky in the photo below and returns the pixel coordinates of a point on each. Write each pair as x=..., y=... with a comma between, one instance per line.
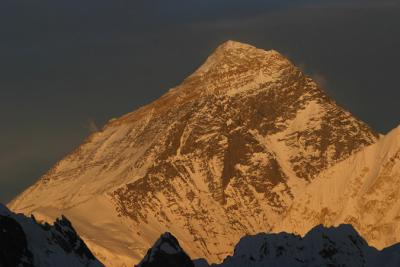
x=68, y=65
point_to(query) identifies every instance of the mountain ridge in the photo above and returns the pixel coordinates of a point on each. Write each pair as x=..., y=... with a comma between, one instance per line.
x=320, y=246
x=368, y=187
x=28, y=243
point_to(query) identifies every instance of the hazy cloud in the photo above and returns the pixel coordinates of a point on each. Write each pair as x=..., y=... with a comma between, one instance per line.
x=92, y=126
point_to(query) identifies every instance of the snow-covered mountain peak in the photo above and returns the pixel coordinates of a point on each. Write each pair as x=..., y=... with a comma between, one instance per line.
x=233, y=50
x=168, y=244
x=166, y=252
x=234, y=62
x=231, y=44
x=238, y=139
x=232, y=69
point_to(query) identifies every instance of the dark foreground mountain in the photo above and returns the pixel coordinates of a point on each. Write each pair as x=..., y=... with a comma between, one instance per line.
x=27, y=243
x=166, y=252
x=335, y=246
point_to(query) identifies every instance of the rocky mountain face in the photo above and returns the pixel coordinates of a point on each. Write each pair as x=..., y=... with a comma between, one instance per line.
x=337, y=246
x=225, y=154
x=27, y=243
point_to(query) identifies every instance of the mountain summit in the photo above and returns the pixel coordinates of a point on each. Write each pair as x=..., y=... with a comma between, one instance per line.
x=222, y=155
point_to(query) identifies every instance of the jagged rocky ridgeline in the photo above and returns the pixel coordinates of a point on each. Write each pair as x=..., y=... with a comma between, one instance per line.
x=26, y=243
x=336, y=246
x=246, y=144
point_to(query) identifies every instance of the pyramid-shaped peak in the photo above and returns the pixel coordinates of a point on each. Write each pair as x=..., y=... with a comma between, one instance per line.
x=230, y=44
x=166, y=252
x=232, y=54
x=231, y=47
x=168, y=243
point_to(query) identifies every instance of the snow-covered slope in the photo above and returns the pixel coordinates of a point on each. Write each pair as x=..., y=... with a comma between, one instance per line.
x=220, y=156
x=363, y=190
x=25, y=242
x=321, y=246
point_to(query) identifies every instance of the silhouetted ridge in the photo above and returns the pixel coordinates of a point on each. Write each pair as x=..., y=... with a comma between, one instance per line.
x=166, y=252
x=26, y=243
x=321, y=246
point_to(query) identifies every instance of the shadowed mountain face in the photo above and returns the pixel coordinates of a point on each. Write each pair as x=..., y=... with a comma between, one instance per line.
x=166, y=252
x=336, y=246
x=13, y=245
x=220, y=156
x=26, y=243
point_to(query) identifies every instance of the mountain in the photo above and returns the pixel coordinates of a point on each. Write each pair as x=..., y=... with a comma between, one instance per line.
x=335, y=246
x=27, y=243
x=362, y=190
x=223, y=155
x=166, y=252
x=341, y=246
